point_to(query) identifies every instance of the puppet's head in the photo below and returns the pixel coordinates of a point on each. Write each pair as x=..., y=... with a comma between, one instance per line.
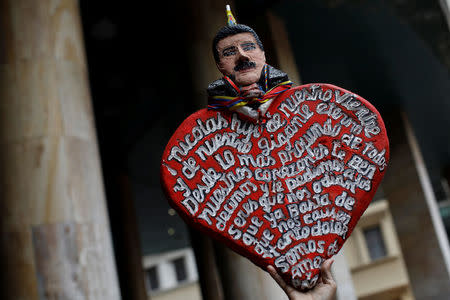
x=239, y=53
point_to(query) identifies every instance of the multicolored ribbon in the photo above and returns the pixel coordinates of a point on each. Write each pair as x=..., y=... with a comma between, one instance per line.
x=228, y=102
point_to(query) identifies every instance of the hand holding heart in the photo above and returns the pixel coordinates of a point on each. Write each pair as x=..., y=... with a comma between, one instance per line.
x=284, y=190
x=324, y=290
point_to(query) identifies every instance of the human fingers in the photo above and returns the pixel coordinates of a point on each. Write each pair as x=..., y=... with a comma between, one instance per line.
x=325, y=269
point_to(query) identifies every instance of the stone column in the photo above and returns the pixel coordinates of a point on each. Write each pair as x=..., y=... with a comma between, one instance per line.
x=405, y=186
x=242, y=280
x=208, y=273
x=55, y=239
x=343, y=277
x=445, y=5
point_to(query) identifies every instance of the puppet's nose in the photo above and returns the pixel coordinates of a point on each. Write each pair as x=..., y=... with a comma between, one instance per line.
x=242, y=55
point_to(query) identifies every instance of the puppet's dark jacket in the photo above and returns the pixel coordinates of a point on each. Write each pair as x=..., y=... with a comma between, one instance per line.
x=221, y=87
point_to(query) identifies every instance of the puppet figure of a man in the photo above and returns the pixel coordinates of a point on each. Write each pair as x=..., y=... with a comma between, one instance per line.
x=249, y=84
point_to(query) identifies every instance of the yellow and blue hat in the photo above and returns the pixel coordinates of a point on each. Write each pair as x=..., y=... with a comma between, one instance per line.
x=230, y=17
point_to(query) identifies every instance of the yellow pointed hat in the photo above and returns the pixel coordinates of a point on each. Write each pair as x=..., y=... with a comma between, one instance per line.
x=230, y=17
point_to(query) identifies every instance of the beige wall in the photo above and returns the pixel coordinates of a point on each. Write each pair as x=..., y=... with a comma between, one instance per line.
x=385, y=278
x=187, y=292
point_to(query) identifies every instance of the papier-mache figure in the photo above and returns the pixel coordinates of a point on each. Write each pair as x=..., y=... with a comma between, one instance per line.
x=248, y=84
x=280, y=174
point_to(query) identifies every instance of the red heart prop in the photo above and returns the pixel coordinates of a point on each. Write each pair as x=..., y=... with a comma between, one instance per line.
x=286, y=189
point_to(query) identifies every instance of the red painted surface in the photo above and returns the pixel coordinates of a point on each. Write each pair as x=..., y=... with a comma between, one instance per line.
x=286, y=189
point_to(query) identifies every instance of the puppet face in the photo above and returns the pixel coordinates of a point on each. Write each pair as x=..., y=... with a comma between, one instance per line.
x=241, y=58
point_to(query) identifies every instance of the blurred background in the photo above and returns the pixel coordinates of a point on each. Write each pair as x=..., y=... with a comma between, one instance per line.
x=91, y=91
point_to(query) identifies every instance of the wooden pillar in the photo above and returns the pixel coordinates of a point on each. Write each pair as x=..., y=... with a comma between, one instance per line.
x=419, y=237
x=55, y=239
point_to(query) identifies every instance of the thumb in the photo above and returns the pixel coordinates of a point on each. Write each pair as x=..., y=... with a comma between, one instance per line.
x=327, y=277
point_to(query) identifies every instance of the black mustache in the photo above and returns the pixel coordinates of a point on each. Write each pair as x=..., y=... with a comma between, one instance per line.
x=244, y=65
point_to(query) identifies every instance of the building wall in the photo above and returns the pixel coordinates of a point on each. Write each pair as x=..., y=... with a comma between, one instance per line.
x=188, y=292
x=384, y=277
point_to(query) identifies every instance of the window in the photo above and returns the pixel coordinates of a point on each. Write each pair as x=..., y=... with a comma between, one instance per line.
x=374, y=240
x=375, y=243
x=169, y=270
x=152, y=278
x=180, y=269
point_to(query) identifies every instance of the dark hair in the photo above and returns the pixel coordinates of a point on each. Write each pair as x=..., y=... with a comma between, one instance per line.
x=232, y=30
